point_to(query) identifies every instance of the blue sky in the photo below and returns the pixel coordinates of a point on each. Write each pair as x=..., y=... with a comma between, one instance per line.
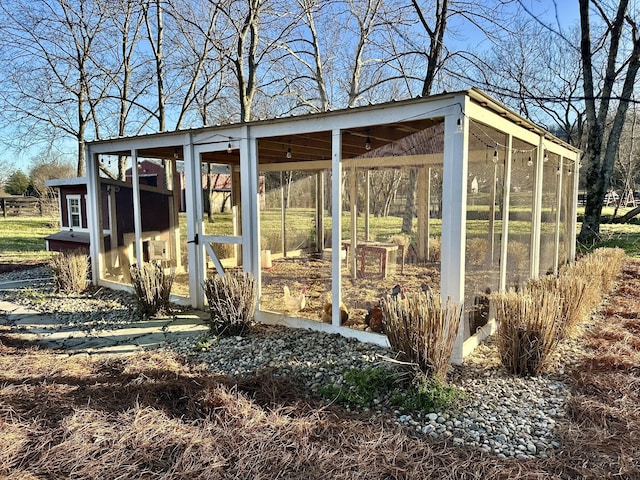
x=563, y=11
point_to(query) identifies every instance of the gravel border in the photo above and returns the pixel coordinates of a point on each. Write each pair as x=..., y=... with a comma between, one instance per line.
x=501, y=414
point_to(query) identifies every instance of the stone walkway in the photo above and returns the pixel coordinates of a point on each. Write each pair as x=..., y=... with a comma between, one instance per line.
x=41, y=329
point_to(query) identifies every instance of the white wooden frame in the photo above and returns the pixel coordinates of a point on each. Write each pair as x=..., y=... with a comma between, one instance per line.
x=455, y=109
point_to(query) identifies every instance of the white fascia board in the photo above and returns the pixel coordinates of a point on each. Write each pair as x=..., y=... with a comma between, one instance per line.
x=217, y=139
x=66, y=182
x=348, y=119
x=165, y=139
x=480, y=114
x=560, y=150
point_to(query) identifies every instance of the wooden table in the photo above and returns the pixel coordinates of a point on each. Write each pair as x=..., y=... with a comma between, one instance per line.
x=383, y=250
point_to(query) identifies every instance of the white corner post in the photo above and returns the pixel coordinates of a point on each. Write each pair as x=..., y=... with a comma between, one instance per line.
x=506, y=200
x=93, y=215
x=573, y=214
x=193, y=203
x=336, y=225
x=137, y=210
x=556, y=237
x=454, y=201
x=536, y=213
x=250, y=200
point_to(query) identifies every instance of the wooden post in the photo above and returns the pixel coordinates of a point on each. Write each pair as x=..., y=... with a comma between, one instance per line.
x=424, y=199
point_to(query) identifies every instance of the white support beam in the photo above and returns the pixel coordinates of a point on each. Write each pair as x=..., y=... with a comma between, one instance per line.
x=320, y=211
x=353, y=198
x=250, y=199
x=536, y=214
x=96, y=246
x=297, y=166
x=506, y=201
x=137, y=210
x=193, y=201
x=454, y=203
x=336, y=225
x=556, y=242
x=428, y=159
x=367, y=205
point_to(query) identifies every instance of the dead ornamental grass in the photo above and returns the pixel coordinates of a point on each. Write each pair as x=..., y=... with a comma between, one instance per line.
x=528, y=330
x=422, y=330
x=151, y=416
x=70, y=271
x=152, y=288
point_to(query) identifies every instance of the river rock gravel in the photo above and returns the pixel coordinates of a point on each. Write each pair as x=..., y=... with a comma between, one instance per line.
x=501, y=414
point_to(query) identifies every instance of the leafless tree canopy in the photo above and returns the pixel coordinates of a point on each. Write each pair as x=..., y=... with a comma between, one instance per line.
x=87, y=69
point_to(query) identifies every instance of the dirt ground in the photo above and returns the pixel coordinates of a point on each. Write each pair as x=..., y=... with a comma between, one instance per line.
x=314, y=273
x=155, y=416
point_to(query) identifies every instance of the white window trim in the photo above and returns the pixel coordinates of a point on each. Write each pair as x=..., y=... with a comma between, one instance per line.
x=70, y=226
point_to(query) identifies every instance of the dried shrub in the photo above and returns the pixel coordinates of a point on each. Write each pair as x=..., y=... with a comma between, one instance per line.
x=571, y=291
x=232, y=301
x=527, y=329
x=152, y=288
x=476, y=253
x=435, y=248
x=422, y=331
x=70, y=271
x=518, y=253
x=600, y=269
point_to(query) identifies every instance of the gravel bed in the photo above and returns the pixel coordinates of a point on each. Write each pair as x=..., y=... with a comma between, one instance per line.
x=501, y=414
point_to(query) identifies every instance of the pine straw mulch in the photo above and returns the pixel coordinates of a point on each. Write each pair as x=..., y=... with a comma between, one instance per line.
x=154, y=416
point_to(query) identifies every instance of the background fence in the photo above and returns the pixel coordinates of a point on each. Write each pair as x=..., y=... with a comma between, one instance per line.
x=28, y=206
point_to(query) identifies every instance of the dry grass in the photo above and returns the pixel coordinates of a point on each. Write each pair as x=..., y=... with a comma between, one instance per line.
x=532, y=322
x=152, y=288
x=527, y=329
x=231, y=299
x=422, y=330
x=153, y=416
x=70, y=271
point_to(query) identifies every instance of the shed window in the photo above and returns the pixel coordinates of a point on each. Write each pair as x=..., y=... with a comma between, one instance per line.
x=75, y=211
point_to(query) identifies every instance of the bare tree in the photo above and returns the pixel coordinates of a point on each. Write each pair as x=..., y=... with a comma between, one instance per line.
x=50, y=87
x=620, y=44
x=535, y=72
x=304, y=60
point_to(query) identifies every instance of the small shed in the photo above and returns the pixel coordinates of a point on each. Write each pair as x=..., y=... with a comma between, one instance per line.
x=453, y=191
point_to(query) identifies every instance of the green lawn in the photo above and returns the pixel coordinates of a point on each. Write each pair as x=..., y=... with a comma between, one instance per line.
x=22, y=238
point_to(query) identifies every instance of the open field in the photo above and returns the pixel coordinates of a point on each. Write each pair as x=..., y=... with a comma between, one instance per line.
x=22, y=239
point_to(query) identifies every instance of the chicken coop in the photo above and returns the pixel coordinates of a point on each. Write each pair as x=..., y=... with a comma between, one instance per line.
x=453, y=193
